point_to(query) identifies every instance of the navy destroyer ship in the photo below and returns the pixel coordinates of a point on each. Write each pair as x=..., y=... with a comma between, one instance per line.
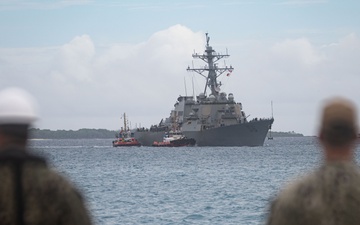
x=213, y=119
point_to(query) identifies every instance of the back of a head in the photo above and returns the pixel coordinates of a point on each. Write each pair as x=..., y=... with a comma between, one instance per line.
x=17, y=112
x=339, y=124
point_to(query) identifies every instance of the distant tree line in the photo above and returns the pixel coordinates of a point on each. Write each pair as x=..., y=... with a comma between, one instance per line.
x=103, y=133
x=72, y=134
x=285, y=134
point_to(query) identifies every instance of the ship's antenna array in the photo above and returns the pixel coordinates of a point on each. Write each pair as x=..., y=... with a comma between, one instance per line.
x=207, y=39
x=210, y=57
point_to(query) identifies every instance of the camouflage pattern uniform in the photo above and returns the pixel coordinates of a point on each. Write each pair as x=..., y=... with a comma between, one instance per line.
x=330, y=195
x=45, y=197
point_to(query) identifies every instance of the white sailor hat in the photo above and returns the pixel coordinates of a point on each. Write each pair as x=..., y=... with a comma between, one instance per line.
x=17, y=106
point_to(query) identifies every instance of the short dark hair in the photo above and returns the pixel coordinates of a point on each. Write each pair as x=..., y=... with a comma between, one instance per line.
x=339, y=122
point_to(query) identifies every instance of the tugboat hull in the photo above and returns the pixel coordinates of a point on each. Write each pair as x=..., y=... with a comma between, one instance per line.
x=125, y=144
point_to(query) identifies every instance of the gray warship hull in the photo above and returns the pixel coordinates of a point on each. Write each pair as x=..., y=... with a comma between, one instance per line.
x=147, y=138
x=245, y=134
x=212, y=118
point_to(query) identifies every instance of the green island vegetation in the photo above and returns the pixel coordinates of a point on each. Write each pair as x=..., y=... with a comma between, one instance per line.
x=285, y=134
x=86, y=133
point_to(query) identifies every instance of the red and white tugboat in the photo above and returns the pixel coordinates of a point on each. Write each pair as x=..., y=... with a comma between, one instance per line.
x=174, y=139
x=125, y=138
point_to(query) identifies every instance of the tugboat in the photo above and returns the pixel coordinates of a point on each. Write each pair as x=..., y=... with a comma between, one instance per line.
x=125, y=138
x=213, y=118
x=174, y=139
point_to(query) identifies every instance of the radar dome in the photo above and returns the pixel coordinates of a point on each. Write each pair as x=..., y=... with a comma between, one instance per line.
x=231, y=97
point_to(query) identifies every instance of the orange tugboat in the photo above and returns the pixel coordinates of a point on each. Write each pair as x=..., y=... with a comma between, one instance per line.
x=125, y=138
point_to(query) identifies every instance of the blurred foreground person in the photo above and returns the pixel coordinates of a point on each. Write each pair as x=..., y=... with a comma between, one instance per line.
x=30, y=192
x=331, y=194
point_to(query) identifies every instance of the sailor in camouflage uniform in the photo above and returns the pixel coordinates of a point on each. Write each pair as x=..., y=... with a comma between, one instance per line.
x=331, y=194
x=30, y=192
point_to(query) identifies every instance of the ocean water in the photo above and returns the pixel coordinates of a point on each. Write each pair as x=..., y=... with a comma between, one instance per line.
x=187, y=185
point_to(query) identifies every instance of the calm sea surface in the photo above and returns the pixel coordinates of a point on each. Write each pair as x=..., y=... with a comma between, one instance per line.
x=187, y=185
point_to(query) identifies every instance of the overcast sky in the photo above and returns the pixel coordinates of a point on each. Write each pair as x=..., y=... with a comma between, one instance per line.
x=89, y=61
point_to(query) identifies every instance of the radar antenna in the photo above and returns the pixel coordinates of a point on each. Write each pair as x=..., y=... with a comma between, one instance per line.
x=210, y=57
x=207, y=39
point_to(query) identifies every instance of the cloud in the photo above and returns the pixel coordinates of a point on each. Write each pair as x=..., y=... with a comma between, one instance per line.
x=82, y=85
x=297, y=75
x=299, y=52
x=80, y=80
x=74, y=61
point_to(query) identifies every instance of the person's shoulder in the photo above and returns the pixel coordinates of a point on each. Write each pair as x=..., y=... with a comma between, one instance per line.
x=47, y=178
x=44, y=186
x=298, y=190
x=292, y=202
x=342, y=166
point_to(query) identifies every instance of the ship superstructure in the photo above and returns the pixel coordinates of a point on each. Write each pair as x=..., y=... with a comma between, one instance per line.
x=214, y=118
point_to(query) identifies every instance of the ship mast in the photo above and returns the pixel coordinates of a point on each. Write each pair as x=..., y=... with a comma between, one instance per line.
x=211, y=57
x=125, y=128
